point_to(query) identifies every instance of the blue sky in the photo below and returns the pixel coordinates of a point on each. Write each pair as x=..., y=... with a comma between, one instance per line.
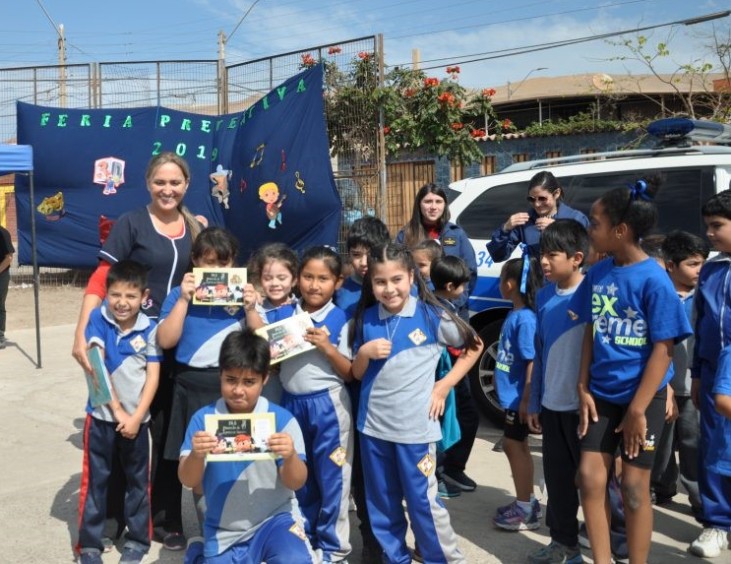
x=134, y=30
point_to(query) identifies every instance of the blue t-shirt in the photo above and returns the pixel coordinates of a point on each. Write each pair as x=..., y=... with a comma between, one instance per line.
x=631, y=308
x=242, y=496
x=347, y=297
x=516, y=348
x=559, y=338
x=204, y=329
x=396, y=391
x=126, y=355
x=718, y=456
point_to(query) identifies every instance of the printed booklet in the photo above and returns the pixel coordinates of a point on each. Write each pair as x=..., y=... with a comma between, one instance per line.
x=241, y=436
x=219, y=286
x=99, y=383
x=287, y=337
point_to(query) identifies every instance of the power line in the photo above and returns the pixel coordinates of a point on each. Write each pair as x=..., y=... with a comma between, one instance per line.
x=544, y=46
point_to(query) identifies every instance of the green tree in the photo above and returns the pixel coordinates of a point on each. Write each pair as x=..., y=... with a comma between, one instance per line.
x=419, y=113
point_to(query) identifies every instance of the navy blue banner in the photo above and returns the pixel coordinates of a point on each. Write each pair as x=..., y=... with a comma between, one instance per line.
x=263, y=173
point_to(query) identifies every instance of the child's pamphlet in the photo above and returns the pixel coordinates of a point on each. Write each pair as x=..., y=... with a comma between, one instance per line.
x=219, y=286
x=99, y=383
x=241, y=436
x=287, y=337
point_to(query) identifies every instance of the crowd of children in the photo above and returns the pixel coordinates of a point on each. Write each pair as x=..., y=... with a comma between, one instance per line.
x=600, y=358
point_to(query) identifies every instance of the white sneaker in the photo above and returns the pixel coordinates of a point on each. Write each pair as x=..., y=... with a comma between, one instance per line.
x=709, y=543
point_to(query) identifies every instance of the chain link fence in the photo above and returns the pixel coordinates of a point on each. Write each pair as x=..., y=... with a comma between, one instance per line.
x=209, y=87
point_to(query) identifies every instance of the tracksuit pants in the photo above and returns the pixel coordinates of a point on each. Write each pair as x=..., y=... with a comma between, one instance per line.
x=326, y=422
x=395, y=472
x=102, y=443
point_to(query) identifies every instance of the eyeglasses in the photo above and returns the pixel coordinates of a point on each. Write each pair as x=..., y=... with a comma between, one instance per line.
x=539, y=199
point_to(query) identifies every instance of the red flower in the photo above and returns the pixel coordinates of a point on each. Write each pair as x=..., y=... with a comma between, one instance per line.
x=429, y=82
x=409, y=92
x=364, y=56
x=478, y=133
x=386, y=130
x=457, y=126
x=507, y=124
x=446, y=98
x=453, y=70
x=334, y=50
x=488, y=92
x=308, y=60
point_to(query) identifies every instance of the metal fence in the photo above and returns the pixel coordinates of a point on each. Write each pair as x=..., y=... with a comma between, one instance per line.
x=206, y=87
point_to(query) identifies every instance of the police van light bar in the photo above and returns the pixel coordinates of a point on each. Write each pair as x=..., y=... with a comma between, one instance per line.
x=674, y=130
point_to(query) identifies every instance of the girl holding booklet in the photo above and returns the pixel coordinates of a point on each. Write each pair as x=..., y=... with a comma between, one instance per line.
x=197, y=331
x=315, y=393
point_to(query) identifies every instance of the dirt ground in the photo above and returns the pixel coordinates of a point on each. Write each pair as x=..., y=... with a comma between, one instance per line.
x=58, y=305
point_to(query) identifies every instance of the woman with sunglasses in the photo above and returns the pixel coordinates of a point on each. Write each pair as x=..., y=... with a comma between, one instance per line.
x=544, y=196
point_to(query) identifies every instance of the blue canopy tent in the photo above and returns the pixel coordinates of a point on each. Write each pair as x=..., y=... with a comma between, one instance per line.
x=18, y=159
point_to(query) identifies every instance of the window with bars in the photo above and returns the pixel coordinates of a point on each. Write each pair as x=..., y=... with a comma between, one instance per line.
x=520, y=157
x=488, y=165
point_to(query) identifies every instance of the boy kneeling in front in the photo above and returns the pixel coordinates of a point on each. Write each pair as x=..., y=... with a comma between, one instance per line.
x=251, y=509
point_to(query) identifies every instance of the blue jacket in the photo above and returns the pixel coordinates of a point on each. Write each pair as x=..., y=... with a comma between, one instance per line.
x=713, y=313
x=503, y=243
x=456, y=243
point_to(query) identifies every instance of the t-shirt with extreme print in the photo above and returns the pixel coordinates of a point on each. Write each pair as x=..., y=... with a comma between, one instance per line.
x=632, y=308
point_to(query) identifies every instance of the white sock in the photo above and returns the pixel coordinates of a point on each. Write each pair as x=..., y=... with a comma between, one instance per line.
x=525, y=506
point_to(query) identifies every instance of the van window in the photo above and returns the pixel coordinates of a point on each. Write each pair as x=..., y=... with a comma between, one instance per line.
x=679, y=200
x=492, y=208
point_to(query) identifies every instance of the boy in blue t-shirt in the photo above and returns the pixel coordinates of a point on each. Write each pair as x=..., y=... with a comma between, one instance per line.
x=554, y=401
x=120, y=429
x=365, y=234
x=252, y=513
x=712, y=336
x=684, y=255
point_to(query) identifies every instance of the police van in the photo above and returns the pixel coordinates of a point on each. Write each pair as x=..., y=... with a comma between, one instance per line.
x=690, y=175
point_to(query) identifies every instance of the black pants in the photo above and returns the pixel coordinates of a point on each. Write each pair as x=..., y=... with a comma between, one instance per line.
x=455, y=458
x=4, y=285
x=561, y=455
x=167, y=490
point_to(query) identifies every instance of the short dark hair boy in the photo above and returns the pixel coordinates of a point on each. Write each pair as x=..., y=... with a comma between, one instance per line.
x=684, y=255
x=365, y=234
x=273, y=527
x=448, y=273
x=119, y=429
x=565, y=236
x=718, y=204
x=553, y=389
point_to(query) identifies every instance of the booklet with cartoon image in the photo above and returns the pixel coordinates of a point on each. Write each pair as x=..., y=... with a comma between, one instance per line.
x=287, y=337
x=219, y=286
x=241, y=436
x=99, y=383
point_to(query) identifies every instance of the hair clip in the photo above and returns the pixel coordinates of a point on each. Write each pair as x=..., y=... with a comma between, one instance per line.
x=638, y=191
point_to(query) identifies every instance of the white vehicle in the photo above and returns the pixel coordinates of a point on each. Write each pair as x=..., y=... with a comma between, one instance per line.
x=691, y=175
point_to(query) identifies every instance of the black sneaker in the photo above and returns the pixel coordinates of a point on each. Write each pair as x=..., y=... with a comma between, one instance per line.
x=447, y=490
x=460, y=479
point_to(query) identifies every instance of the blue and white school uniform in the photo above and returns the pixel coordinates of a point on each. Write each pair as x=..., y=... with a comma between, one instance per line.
x=712, y=337
x=398, y=439
x=126, y=355
x=197, y=379
x=516, y=349
x=251, y=516
x=631, y=308
x=318, y=398
x=718, y=457
x=273, y=388
x=348, y=295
